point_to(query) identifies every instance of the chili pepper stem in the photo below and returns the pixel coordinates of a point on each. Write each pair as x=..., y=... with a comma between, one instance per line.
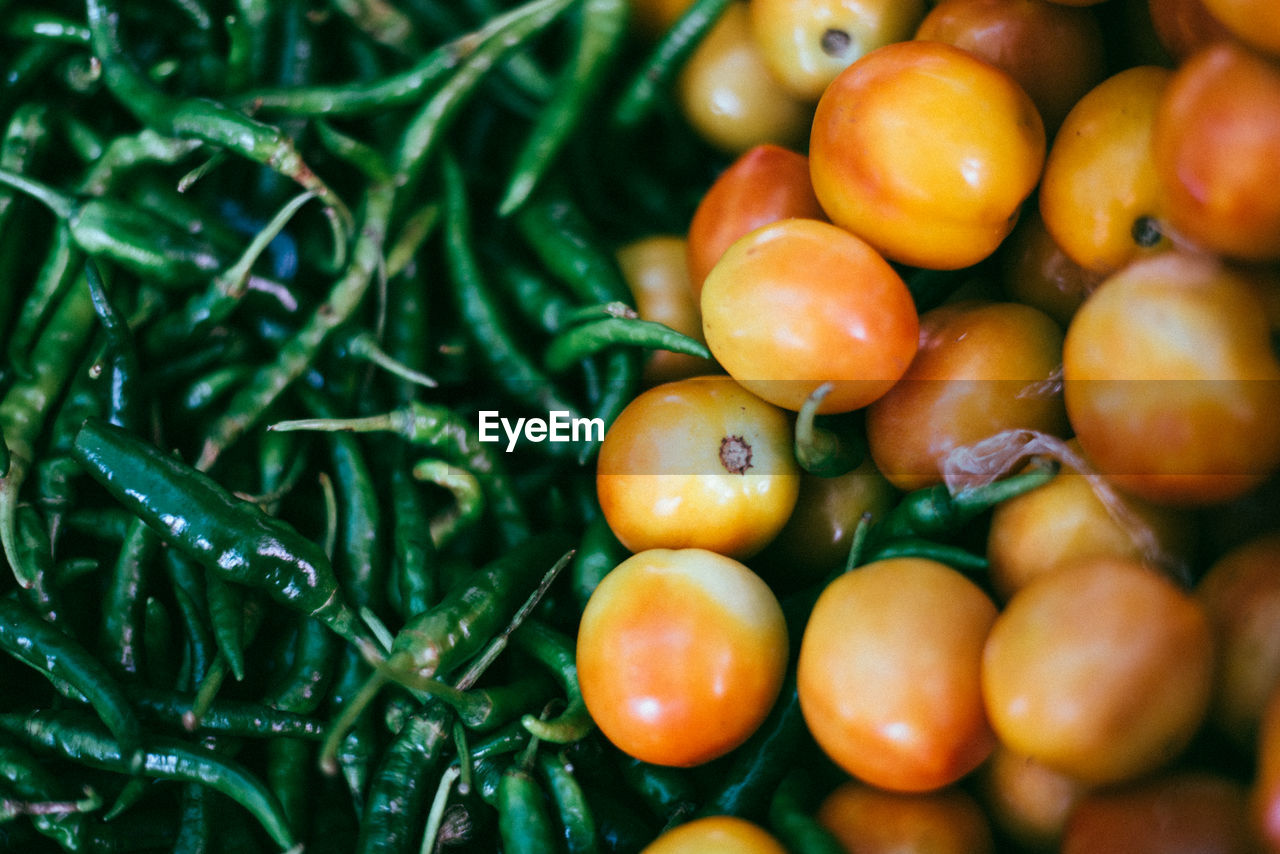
x=436, y=815
x=347, y=718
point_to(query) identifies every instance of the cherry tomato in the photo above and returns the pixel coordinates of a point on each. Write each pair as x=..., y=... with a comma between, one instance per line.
x=765, y=184
x=1034, y=270
x=1185, y=26
x=680, y=655
x=1068, y=521
x=1101, y=670
x=698, y=463
x=891, y=697
x=729, y=96
x=867, y=820
x=806, y=43
x=981, y=368
x=1216, y=148
x=1029, y=801
x=1100, y=197
x=926, y=152
x=1170, y=381
x=1265, y=797
x=817, y=537
x=1054, y=51
x=717, y=834
x=1241, y=594
x=1184, y=813
x=658, y=275
x=1253, y=22
x=800, y=302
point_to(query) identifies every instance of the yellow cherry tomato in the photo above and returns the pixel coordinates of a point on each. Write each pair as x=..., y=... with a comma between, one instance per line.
x=680, y=655
x=1102, y=670
x=891, y=697
x=655, y=268
x=716, y=834
x=1254, y=22
x=926, y=152
x=729, y=96
x=698, y=463
x=866, y=820
x=799, y=303
x=1100, y=197
x=1027, y=799
x=806, y=43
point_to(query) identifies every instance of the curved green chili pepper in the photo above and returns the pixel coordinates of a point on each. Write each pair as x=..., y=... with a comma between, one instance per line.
x=555, y=651
x=586, y=339
x=577, y=822
x=822, y=451
x=221, y=532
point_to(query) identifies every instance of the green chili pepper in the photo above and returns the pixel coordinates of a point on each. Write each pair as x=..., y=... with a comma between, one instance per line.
x=221, y=532
x=586, y=339
x=32, y=781
x=524, y=824
x=125, y=601
x=577, y=822
x=399, y=789
x=791, y=816
x=555, y=651
x=822, y=450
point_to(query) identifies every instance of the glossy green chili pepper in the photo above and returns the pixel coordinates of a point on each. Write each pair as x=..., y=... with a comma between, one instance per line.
x=125, y=600
x=577, y=822
x=31, y=780
x=167, y=759
x=467, y=493
x=66, y=662
x=225, y=716
x=413, y=585
x=223, y=533
x=586, y=339
x=400, y=786
x=831, y=445
x=555, y=651
x=524, y=824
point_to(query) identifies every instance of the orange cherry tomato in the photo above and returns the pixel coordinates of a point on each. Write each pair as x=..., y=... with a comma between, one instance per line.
x=801, y=302
x=1100, y=197
x=1170, y=381
x=866, y=820
x=1253, y=22
x=1185, y=26
x=1265, y=796
x=1241, y=594
x=819, y=534
x=729, y=96
x=1067, y=521
x=981, y=368
x=1184, y=813
x=1054, y=51
x=1216, y=148
x=698, y=463
x=1027, y=800
x=1034, y=270
x=926, y=152
x=765, y=184
x=806, y=43
x=716, y=834
x=1101, y=670
x=891, y=698
x=680, y=655
x=658, y=275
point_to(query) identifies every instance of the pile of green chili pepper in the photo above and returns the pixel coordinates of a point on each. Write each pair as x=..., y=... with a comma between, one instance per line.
x=261, y=264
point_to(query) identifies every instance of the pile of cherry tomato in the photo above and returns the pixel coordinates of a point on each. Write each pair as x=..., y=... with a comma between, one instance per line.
x=959, y=240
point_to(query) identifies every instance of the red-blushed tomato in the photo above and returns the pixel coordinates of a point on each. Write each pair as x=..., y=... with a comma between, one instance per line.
x=1069, y=520
x=806, y=43
x=1265, y=796
x=1253, y=22
x=981, y=368
x=1241, y=594
x=1101, y=670
x=729, y=96
x=867, y=820
x=765, y=184
x=1034, y=270
x=1100, y=197
x=1183, y=813
x=1026, y=799
x=798, y=303
x=1184, y=26
x=1216, y=148
x=888, y=674
x=716, y=834
x=1055, y=52
x=926, y=152
x=681, y=654
x=658, y=275
x=1170, y=381
x=698, y=463
x=819, y=534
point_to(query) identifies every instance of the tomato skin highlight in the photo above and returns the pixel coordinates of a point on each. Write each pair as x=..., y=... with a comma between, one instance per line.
x=800, y=302
x=889, y=696
x=716, y=834
x=681, y=655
